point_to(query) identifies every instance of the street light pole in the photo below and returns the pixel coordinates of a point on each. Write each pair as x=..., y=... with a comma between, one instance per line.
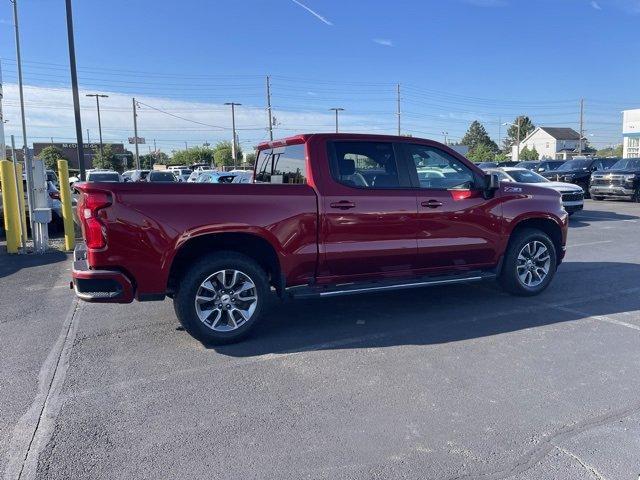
x=445, y=137
x=337, y=109
x=234, y=146
x=28, y=166
x=135, y=133
x=98, y=97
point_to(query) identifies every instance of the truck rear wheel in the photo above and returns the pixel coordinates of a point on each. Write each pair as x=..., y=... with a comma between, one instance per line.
x=529, y=264
x=221, y=297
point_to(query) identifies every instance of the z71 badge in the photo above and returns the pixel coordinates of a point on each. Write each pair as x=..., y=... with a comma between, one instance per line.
x=513, y=189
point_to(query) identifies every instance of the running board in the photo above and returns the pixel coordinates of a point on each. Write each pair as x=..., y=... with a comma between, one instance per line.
x=368, y=287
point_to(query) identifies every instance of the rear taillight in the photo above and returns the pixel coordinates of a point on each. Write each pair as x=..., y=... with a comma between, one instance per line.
x=89, y=208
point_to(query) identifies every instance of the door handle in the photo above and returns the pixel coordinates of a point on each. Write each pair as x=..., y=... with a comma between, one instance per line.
x=343, y=205
x=431, y=204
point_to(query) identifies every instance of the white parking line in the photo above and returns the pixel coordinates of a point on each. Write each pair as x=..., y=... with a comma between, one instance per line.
x=602, y=318
x=589, y=243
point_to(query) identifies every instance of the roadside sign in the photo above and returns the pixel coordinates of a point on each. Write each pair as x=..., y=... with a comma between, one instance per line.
x=141, y=141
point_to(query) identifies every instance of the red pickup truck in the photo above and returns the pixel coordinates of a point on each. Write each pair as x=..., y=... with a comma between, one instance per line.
x=327, y=215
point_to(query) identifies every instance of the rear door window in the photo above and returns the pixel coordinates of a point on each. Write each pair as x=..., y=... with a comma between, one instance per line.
x=371, y=165
x=282, y=165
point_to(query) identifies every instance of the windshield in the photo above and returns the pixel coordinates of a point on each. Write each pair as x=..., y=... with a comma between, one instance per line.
x=627, y=164
x=526, y=176
x=104, y=177
x=574, y=165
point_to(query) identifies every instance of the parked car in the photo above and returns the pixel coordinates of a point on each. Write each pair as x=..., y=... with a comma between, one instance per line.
x=508, y=163
x=572, y=195
x=195, y=174
x=242, y=176
x=135, y=175
x=216, y=177
x=164, y=176
x=548, y=165
x=181, y=174
x=316, y=223
x=578, y=171
x=528, y=164
x=485, y=165
x=103, y=176
x=52, y=177
x=622, y=180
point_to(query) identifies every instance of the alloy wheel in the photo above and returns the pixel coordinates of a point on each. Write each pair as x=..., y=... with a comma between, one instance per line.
x=226, y=300
x=534, y=262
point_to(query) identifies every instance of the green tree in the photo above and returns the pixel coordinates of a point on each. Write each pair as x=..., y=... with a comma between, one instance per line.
x=250, y=158
x=610, y=151
x=526, y=127
x=192, y=155
x=481, y=153
x=50, y=156
x=529, y=154
x=222, y=154
x=500, y=157
x=477, y=135
x=147, y=161
x=107, y=159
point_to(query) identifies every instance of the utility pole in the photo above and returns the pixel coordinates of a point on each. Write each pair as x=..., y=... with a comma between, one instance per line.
x=445, y=137
x=88, y=139
x=98, y=97
x=269, y=113
x=398, y=112
x=499, y=132
x=28, y=165
x=581, y=125
x=74, y=88
x=186, y=146
x=3, y=146
x=234, y=146
x=518, y=149
x=337, y=109
x=135, y=132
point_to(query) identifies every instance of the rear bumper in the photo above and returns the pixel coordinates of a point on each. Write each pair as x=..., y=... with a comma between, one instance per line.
x=99, y=286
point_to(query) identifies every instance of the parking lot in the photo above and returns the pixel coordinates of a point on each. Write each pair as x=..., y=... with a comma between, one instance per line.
x=450, y=383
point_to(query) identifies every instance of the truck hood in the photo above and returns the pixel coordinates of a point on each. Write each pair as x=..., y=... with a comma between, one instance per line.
x=561, y=186
x=616, y=172
x=535, y=189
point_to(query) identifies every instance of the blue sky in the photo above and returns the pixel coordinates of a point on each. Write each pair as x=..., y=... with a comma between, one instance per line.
x=456, y=61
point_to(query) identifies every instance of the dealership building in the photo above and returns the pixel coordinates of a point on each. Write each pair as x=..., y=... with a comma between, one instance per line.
x=631, y=133
x=70, y=152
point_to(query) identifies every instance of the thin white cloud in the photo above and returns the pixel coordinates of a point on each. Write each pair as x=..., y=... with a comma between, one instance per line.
x=383, y=41
x=595, y=5
x=315, y=14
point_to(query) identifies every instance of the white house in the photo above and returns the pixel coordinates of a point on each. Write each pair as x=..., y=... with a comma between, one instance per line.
x=631, y=133
x=551, y=143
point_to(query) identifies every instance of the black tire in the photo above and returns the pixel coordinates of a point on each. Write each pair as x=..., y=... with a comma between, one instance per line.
x=509, y=279
x=597, y=199
x=184, y=301
x=636, y=196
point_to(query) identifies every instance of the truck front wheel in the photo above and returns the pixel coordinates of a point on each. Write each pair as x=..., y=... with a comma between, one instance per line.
x=529, y=263
x=221, y=297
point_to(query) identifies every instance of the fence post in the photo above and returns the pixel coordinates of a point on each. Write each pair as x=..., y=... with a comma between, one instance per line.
x=10, y=204
x=65, y=198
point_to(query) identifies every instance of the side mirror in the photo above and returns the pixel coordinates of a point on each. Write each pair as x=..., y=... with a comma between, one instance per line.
x=491, y=184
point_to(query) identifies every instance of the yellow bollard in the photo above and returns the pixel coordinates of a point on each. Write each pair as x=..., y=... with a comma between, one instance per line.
x=10, y=205
x=65, y=198
x=23, y=210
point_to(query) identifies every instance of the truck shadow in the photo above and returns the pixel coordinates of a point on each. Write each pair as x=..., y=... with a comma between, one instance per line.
x=10, y=264
x=587, y=217
x=441, y=314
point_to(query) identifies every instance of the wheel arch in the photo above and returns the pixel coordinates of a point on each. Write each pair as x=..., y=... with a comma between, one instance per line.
x=547, y=225
x=249, y=244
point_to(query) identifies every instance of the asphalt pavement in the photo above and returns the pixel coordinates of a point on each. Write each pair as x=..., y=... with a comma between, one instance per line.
x=456, y=382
